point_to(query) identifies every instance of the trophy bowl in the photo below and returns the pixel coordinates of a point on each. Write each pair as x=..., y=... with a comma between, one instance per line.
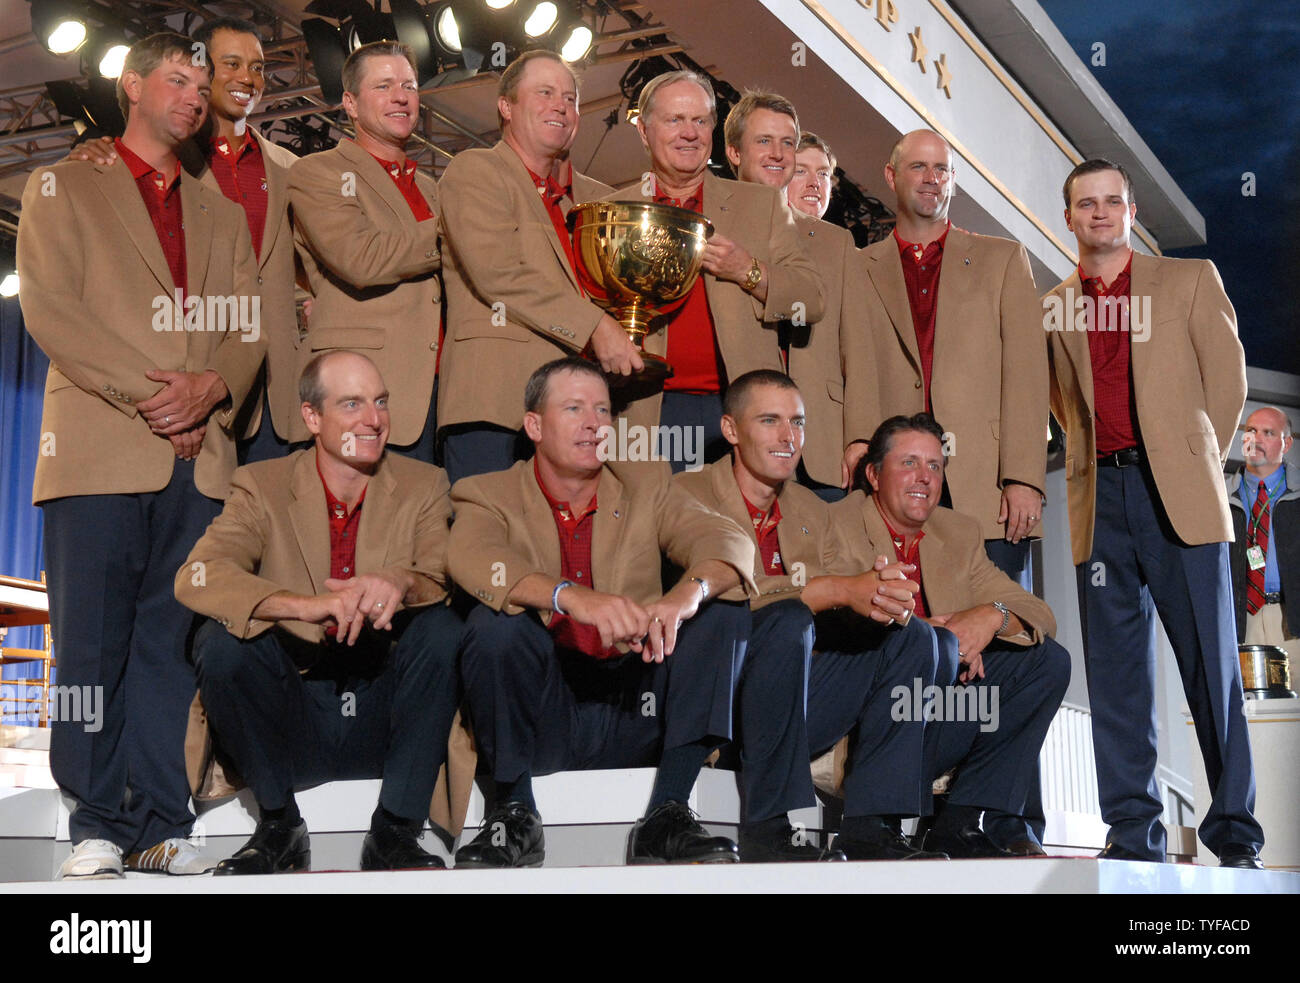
x=638, y=260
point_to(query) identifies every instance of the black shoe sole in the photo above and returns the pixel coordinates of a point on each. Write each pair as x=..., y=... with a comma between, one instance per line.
x=528, y=860
x=718, y=858
x=296, y=863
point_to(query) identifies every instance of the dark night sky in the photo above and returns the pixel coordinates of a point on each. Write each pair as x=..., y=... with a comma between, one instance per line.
x=1213, y=86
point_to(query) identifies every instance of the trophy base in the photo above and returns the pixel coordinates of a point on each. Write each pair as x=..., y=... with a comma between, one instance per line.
x=647, y=382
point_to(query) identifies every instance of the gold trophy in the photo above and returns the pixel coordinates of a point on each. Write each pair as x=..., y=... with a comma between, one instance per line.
x=638, y=260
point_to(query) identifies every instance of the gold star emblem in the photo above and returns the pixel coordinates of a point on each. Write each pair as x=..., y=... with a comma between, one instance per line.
x=945, y=76
x=918, y=48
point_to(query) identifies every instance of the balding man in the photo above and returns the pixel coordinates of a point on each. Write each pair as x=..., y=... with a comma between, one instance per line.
x=513, y=300
x=756, y=271
x=328, y=651
x=1265, y=555
x=763, y=146
x=957, y=332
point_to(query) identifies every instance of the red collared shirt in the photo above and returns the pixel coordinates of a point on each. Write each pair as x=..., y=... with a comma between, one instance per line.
x=403, y=176
x=692, y=337
x=921, y=267
x=908, y=554
x=765, y=531
x=162, y=197
x=241, y=174
x=575, y=565
x=552, y=193
x=1112, y=372
x=343, y=534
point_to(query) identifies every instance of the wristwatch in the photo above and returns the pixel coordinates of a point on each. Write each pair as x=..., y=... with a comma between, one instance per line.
x=704, y=588
x=1006, y=617
x=753, y=278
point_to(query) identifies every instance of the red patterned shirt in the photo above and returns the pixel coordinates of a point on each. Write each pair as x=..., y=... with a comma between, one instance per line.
x=692, y=337
x=908, y=554
x=241, y=174
x=162, y=197
x=575, y=565
x=765, y=531
x=1112, y=373
x=921, y=266
x=343, y=534
x=403, y=176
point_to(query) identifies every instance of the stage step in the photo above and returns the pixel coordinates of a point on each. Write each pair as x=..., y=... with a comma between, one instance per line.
x=1024, y=876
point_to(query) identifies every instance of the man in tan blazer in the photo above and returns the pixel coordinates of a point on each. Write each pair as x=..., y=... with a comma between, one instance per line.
x=328, y=651
x=956, y=332
x=804, y=569
x=756, y=272
x=575, y=657
x=139, y=284
x=234, y=159
x=253, y=172
x=1001, y=676
x=763, y=146
x=513, y=300
x=1148, y=382
x=366, y=222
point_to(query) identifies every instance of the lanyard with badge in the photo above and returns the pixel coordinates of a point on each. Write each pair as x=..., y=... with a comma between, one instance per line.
x=1255, y=552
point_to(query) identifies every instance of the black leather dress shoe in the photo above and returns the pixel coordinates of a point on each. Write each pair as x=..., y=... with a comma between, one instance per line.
x=783, y=846
x=395, y=846
x=968, y=843
x=1025, y=848
x=511, y=836
x=1113, y=851
x=275, y=847
x=670, y=834
x=1241, y=856
x=887, y=846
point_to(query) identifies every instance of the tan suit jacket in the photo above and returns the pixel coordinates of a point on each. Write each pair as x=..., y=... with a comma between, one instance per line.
x=274, y=535
x=956, y=573
x=276, y=272
x=501, y=248
x=810, y=542
x=819, y=351
x=97, y=296
x=505, y=530
x=989, y=377
x=373, y=271
x=1189, y=385
x=756, y=217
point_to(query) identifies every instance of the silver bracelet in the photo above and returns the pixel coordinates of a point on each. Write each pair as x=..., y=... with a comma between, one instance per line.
x=555, y=596
x=1006, y=617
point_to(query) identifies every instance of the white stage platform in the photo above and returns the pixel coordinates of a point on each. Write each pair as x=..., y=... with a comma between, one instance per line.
x=1051, y=875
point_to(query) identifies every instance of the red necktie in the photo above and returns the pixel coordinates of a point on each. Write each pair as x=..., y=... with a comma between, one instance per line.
x=1259, y=521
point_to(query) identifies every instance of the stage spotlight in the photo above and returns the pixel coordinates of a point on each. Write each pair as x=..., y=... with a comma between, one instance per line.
x=113, y=60
x=445, y=29
x=577, y=44
x=411, y=22
x=105, y=53
x=59, y=25
x=9, y=285
x=325, y=46
x=541, y=19
x=498, y=4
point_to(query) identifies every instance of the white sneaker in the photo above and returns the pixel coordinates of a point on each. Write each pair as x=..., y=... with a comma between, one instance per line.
x=92, y=860
x=174, y=856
